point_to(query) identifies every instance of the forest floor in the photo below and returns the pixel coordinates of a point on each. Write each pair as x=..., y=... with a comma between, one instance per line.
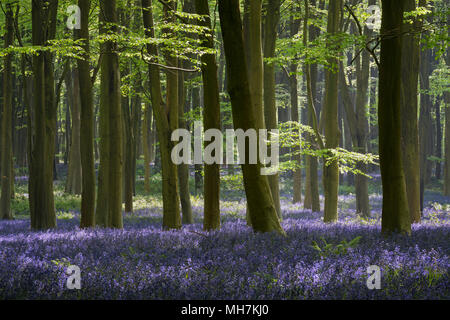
x=314, y=261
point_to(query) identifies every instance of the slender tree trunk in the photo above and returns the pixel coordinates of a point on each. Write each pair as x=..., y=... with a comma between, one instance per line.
x=136, y=121
x=447, y=146
x=146, y=145
x=270, y=107
x=254, y=57
x=425, y=123
x=256, y=70
x=293, y=81
x=128, y=146
x=409, y=108
x=87, y=123
x=42, y=208
x=183, y=169
x=361, y=181
x=446, y=189
x=211, y=120
x=171, y=199
x=438, y=138
x=170, y=222
x=73, y=183
x=262, y=210
x=128, y=123
x=67, y=124
x=395, y=216
x=198, y=168
x=312, y=200
x=109, y=201
x=331, y=171
x=7, y=177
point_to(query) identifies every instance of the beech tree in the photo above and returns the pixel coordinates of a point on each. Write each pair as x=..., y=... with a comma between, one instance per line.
x=409, y=110
x=109, y=201
x=211, y=119
x=294, y=26
x=311, y=200
x=73, y=181
x=262, y=212
x=395, y=215
x=164, y=125
x=6, y=131
x=270, y=107
x=447, y=128
x=330, y=111
x=41, y=198
x=87, y=121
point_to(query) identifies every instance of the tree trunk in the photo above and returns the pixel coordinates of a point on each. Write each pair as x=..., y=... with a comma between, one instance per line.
x=128, y=146
x=171, y=199
x=409, y=106
x=262, y=211
x=446, y=188
x=425, y=123
x=170, y=222
x=447, y=146
x=331, y=125
x=211, y=120
x=312, y=198
x=438, y=138
x=146, y=138
x=183, y=169
x=7, y=177
x=128, y=125
x=109, y=201
x=293, y=82
x=87, y=123
x=42, y=208
x=270, y=107
x=363, y=71
x=395, y=216
x=73, y=183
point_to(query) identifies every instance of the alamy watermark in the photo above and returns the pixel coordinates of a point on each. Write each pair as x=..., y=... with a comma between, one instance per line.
x=374, y=20
x=257, y=147
x=74, y=20
x=374, y=280
x=74, y=280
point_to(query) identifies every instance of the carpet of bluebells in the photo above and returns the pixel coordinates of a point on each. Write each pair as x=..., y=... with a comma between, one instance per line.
x=143, y=262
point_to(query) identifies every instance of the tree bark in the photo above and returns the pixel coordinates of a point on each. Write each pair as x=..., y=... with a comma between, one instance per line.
x=270, y=107
x=7, y=177
x=128, y=145
x=395, y=215
x=409, y=108
x=293, y=82
x=109, y=201
x=42, y=208
x=425, y=123
x=438, y=151
x=183, y=169
x=73, y=183
x=447, y=146
x=446, y=187
x=211, y=120
x=87, y=123
x=146, y=145
x=312, y=198
x=362, y=80
x=331, y=125
x=262, y=211
x=171, y=198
